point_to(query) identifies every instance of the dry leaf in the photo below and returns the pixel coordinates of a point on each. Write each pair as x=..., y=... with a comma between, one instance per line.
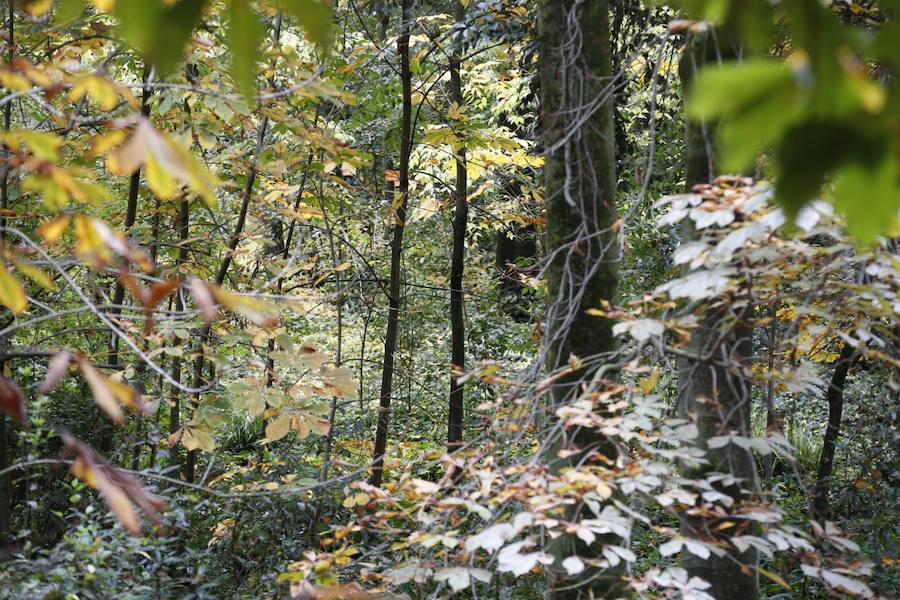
x=12, y=400
x=120, y=491
x=56, y=371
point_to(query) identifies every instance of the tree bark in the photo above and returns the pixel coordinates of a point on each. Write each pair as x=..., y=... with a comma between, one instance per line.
x=394, y=300
x=456, y=412
x=835, y=398
x=582, y=238
x=718, y=398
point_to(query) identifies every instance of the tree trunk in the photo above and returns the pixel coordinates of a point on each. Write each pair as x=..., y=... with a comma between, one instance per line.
x=134, y=188
x=580, y=184
x=460, y=220
x=716, y=397
x=835, y=398
x=393, y=318
x=719, y=400
x=5, y=481
x=514, y=242
x=184, y=226
x=6, y=478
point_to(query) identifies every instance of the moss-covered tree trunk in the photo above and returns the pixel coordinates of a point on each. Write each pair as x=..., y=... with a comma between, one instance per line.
x=579, y=179
x=582, y=240
x=716, y=397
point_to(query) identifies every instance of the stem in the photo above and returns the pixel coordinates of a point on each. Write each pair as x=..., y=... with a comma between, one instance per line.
x=456, y=413
x=393, y=319
x=835, y=397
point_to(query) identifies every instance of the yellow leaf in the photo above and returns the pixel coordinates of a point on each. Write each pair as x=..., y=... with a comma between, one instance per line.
x=36, y=8
x=12, y=294
x=103, y=143
x=340, y=381
x=97, y=88
x=89, y=245
x=14, y=81
x=168, y=164
x=649, y=383
x=158, y=180
x=67, y=183
x=51, y=230
x=196, y=438
x=277, y=428
x=257, y=311
x=103, y=394
x=456, y=112
x=109, y=393
x=776, y=578
x=42, y=144
x=37, y=275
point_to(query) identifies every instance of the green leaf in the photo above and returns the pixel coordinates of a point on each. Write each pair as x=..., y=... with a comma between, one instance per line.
x=66, y=10
x=314, y=16
x=244, y=33
x=159, y=31
x=755, y=100
x=810, y=151
x=724, y=90
x=140, y=22
x=869, y=196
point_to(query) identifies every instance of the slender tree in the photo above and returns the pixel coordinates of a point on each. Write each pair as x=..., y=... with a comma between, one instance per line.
x=184, y=226
x=5, y=479
x=394, y=298
x=835, y=398
x=460, y=220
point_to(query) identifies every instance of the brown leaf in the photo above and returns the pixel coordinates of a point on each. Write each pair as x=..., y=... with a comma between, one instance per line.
x=160, y=290
x=12, y=400
x=205, y=302
x=148, y=297
x=56, y=371
x=131, y=284
x=129, y=157
x=277, y=428
x=152, y=297
x=109, y=394
x=119, y=490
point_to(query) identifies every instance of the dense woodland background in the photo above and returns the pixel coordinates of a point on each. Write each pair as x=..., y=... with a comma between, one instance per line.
x=425, y=299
